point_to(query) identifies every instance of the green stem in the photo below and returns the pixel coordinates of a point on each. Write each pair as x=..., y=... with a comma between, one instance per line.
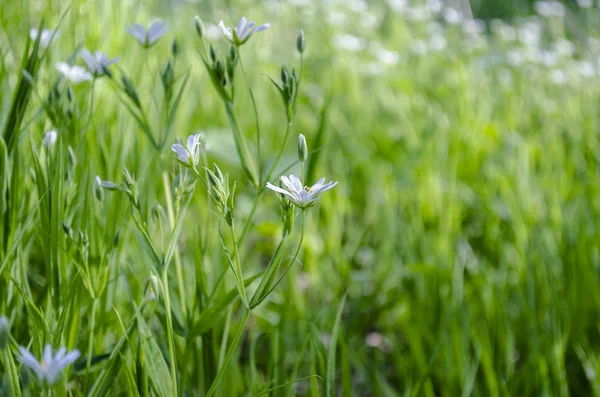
x=170, y=336
x=262, y=188
x=178, y=270
x=238, y=269
x=242, y=148
x=234, y=344
x=9, y=366
x=256, y=117
x=88, y=364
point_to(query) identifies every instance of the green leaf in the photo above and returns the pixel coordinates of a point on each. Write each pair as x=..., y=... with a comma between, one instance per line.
x=330, y=378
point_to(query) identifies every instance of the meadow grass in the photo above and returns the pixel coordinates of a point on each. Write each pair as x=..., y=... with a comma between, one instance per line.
x=457, y=255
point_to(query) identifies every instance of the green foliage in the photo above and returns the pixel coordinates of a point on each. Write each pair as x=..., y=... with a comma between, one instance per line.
x=458, y=255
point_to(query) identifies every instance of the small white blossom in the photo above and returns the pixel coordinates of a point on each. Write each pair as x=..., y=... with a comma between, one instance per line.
x=51, y=366
x=50, y=139
x=452, y=16
x=188, y=155
x=348, y=42
x=549, y=9
x=45, y=38
x=75, y=74
x=585, y=3
x=97, y=63
x=148, y=37
x=302, y=196
x=240, y=34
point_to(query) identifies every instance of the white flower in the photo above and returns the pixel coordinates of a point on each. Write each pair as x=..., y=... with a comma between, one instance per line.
x=240, y=34
x=452, y=16
x=50, y=139
x=148, y=37
x=46, y=36
x=75, y=74
x=585, y=3
x=302, y=196
x=348, y=42
x=97, y=63
x=51, y=365
x=189, y=155
x=549, y=8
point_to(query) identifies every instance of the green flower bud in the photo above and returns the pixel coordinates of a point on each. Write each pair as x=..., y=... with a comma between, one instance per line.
x=199, y=26
x=300, y=44
x=302, y=148
x=4, y=332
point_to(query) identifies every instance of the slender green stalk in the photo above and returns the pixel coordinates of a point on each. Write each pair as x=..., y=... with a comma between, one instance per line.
x=90, y=353
x=238, y=268
x=170, y=335
x=178, y=270
x=242, y=148
x=258, y=153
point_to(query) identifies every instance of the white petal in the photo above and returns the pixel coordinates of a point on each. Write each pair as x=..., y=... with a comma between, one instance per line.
x=226, y=31
x=260, y=28
x=241, y=25
x=156, y=31
x=89, y=59
x=180, y=151
x=137, y=31
x=296, y=182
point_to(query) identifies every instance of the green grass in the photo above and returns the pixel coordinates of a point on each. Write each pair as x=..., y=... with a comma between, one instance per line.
x=458, y=254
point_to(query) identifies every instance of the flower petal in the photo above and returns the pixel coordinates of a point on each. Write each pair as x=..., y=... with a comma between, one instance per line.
x=260, y=28
x=180, y=151
x=89, y=59
x=156, y=31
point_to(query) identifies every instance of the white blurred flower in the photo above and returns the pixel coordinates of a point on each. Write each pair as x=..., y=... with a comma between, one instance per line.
x=358, y=6
x=417, y=14
x=97, y=63
x=148, y=37
x=46, y=36
x=212, y=31
x=435, y=27
x=549, y=8
x=50, y=139
x=558, y=76
x=348, y=42
x=75, y=74
x=368, y=20
x=374, y=339
x=547, y=58
x=398, y=5
x=514, y=58
x=387, y=57
x=585, y=3
x=586, y=69
x=530, y=34
x=418, y=47
x=188, y=155
x=452, y=16
x=302, y=196
x=473, y=26
x=241, y=33
x=564, y=47
x=437, y=42
x=337, y=18
x=434, y=5
x=50, y=367
x=503, y=30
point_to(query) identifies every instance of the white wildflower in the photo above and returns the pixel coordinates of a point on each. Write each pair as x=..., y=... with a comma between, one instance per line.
x=301, y=196
x=51, y=365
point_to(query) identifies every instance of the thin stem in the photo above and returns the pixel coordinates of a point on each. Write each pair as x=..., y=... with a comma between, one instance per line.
x=90, y=108
x=171, y=214
x=88, y=364
x=238, y=268
x=262, y=188
x=256, y=116
x=165, y=282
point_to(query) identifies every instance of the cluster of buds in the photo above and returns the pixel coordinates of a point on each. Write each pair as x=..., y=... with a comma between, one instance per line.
x=288, y=89
x=221, y=194
x=167, y=75
x=222, y=72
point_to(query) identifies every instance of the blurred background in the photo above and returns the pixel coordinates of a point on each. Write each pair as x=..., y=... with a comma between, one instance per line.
x=465, y=228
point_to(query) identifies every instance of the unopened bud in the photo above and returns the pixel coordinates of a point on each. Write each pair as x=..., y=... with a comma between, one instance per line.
x=302, y=148
x=175, y=48
x=199, y=26
x=4, y=332
x=50, y=139
x=153, y=288
x=98, y=190
x=300, y=44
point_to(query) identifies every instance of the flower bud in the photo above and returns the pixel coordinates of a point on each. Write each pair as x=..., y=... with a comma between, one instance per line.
x=98, y=190
x=300, y=44
x=199, y=26
x=152, y=288
x=50, y=139
x=4, y=332
x=302, y=148
x=175, y=48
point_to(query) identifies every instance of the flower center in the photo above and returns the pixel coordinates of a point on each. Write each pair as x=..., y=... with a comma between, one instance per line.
x=43, y=366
